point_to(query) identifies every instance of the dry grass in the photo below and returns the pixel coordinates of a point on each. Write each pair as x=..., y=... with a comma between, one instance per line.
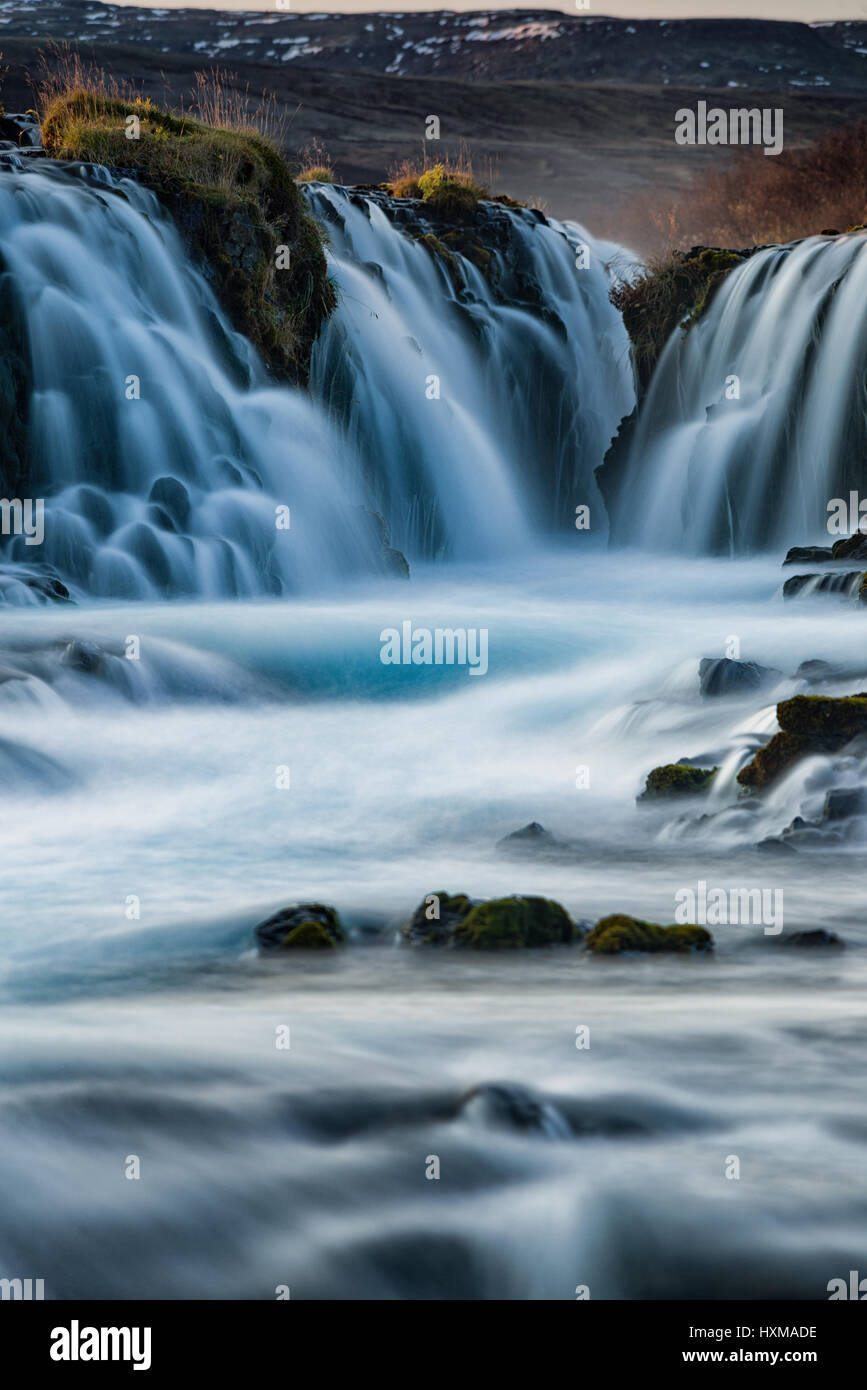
x=411, y=178
x=757, y=199
x=316, y=165
x=217, y=99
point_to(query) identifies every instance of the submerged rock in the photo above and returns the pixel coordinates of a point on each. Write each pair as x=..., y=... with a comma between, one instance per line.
x=723, y=676
x=677, y=779
x=308, y=926
x=808, y=555
x=529, y=837
x=509, y=923
x=819, y=937
x=615, y=935
x=434, y=920
x=841, y=803
x=514, y=922
x=456, y=920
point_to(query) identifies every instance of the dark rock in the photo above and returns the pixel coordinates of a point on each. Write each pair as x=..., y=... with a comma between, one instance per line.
x=295, y=926
x=84, y=656
x=173, y=497
x=843, y=802
x=434, y=920
x=808, y=555
x=722, y=676
x=818, y=937
x=850, y=547
x=815, y=671
x=772, y=844
x=514, y=1107
x=531, y=836
x=841, y=582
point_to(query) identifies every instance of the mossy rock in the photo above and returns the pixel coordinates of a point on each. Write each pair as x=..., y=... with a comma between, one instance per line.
x=282, y=929
x=310, y=936
x=514, y=923
x=774, y=759
x=852, y=547
x=441, y=252
x=677, y=779
x=614, y=935
x=453, y=196
x=235, y=202
x=809, y=724
x=862, y=588
x=821, y=716
x=670, y=294
x=425, y=930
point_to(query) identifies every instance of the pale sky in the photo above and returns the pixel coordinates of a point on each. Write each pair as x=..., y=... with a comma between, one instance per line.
x=632, y=9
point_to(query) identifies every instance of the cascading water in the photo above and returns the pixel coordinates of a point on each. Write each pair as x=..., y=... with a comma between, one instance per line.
x=159, y=448
x=716, y=466
x=480, y=418
x=145, y=832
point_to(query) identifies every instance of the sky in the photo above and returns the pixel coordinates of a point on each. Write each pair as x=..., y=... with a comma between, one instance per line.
x=633, y=9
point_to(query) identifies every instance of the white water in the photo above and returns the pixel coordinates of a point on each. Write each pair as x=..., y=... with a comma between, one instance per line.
x=526, y=405
x=709, y=472
x=153, y=781
x=107, y=294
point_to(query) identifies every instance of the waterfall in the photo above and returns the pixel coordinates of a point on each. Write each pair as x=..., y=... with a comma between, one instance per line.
x=165, y=457
x=479, y=413
x=159, y=447
x=757, y=416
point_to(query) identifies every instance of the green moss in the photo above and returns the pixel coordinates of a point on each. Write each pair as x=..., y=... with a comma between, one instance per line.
x=310, y=936
x=824, y=716
x=677, y=779
x=862, y=588
x=512, y=923
x=618, y=933
x=236, y=204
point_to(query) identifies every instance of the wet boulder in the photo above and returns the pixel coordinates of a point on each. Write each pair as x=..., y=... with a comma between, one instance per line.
x=723, y=676
x=618, y=934
x=809, y=724
x=530, y=837
x=808, y=555
x=818, y=938
x=677, y=779
x=306, y=926
x=434, y=920
x=852, y=547
x=841, y=803
x=513, y=923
